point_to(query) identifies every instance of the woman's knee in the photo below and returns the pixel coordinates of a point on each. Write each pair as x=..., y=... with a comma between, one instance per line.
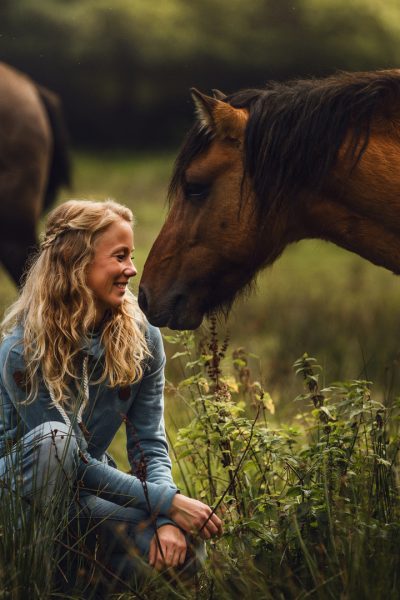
x=56, y=443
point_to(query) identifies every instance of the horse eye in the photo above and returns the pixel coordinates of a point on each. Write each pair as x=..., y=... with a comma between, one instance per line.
x=196, y=191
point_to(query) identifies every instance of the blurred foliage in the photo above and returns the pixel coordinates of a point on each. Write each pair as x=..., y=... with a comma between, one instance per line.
x=123, y=68
x=316, y=298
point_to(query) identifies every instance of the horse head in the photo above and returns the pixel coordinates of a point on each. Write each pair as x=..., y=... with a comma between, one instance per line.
x=265, y=168
x=209, y=248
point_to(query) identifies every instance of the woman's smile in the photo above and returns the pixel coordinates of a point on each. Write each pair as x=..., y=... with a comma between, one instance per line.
x=111, y=268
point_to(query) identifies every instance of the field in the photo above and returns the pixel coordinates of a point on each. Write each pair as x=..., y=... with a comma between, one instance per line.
x=316, y=298
x=308, y=488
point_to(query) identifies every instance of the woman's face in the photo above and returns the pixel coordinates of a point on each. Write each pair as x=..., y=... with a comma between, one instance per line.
x=112, y=267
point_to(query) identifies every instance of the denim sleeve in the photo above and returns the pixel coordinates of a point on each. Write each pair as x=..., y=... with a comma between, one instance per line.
x=122, y=488
x=151, y=489
x=146, y=440
x=15, y=391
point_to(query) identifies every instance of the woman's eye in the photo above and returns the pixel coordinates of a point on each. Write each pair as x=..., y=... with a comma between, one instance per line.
x=196, y=191
x=120, y=257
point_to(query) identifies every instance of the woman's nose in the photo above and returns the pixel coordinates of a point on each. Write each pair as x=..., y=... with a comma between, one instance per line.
x=130, y=270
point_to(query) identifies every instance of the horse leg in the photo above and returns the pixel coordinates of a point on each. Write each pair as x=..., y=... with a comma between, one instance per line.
x=14, y=251
x=22, y=190
x=22, y=193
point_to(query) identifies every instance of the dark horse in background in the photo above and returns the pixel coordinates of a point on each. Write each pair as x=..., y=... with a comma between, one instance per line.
x=33, y=163
x=262, y=169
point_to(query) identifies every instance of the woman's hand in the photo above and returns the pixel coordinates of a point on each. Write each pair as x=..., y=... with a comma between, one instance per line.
x=195, y=517
x=170, y=549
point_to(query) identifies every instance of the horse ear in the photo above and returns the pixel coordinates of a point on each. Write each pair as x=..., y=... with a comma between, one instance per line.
x=218, y=95
x=217, y=116
x=204, y=106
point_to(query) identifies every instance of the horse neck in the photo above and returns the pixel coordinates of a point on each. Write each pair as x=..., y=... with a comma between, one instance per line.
x=337, y=222
x=359, y=208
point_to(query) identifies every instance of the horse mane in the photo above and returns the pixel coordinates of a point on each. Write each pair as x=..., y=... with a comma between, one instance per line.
x=295, y=130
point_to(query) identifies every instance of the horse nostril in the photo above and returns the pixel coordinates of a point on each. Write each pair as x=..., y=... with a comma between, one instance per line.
x=142, y=299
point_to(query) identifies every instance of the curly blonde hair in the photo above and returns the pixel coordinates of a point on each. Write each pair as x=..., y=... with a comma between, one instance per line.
x=57, y=310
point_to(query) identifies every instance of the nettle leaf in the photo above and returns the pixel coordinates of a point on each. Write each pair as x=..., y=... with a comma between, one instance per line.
x=179, y=354
x=189, y=381
x=293, y=491
x=326, y=411
x=356, y=412
x=185, y=453
x=172, y=339
x=229, y=499
x=231, y=383
x=238, y=362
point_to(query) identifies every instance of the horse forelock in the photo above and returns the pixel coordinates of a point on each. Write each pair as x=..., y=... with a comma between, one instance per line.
x=195, y=143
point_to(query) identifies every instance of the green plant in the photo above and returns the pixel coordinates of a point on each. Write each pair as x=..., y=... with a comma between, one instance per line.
x=311, y=509
x=307, y=507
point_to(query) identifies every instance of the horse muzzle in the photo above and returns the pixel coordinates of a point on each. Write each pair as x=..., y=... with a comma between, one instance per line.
x=174, y=310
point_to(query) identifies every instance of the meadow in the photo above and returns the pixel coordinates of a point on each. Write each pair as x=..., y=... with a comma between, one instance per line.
x=303, y=470
x=316, y=298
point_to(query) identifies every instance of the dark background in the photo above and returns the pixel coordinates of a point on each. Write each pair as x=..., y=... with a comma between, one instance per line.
x=124, y=67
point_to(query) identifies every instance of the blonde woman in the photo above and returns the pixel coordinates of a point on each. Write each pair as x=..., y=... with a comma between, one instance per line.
x=77, y=359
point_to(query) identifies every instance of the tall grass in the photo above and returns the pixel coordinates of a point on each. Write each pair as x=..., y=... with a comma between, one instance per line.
x=311, y=507
x=316, y=297
x=33, y=528
x=310, y=510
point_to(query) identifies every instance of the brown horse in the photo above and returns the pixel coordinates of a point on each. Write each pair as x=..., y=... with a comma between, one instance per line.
x=262, y=169
x=33, y=163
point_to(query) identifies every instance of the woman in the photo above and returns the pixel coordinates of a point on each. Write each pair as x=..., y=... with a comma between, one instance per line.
x=77, y=359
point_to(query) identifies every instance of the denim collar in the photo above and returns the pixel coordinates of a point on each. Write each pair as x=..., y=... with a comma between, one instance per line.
x=92, y=344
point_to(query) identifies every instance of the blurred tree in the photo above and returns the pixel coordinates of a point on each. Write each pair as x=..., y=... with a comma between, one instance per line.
x=123, y=68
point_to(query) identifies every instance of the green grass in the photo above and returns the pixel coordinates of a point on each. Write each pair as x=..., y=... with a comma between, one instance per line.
x=328, y=302
x=311, y=509
x=310, y=533
x=316, y=298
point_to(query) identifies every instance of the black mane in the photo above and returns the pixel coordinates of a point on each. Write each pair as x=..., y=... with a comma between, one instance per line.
x=295, y=130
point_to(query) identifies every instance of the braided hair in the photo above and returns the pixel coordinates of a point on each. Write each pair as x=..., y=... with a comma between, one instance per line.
x=57, y=308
